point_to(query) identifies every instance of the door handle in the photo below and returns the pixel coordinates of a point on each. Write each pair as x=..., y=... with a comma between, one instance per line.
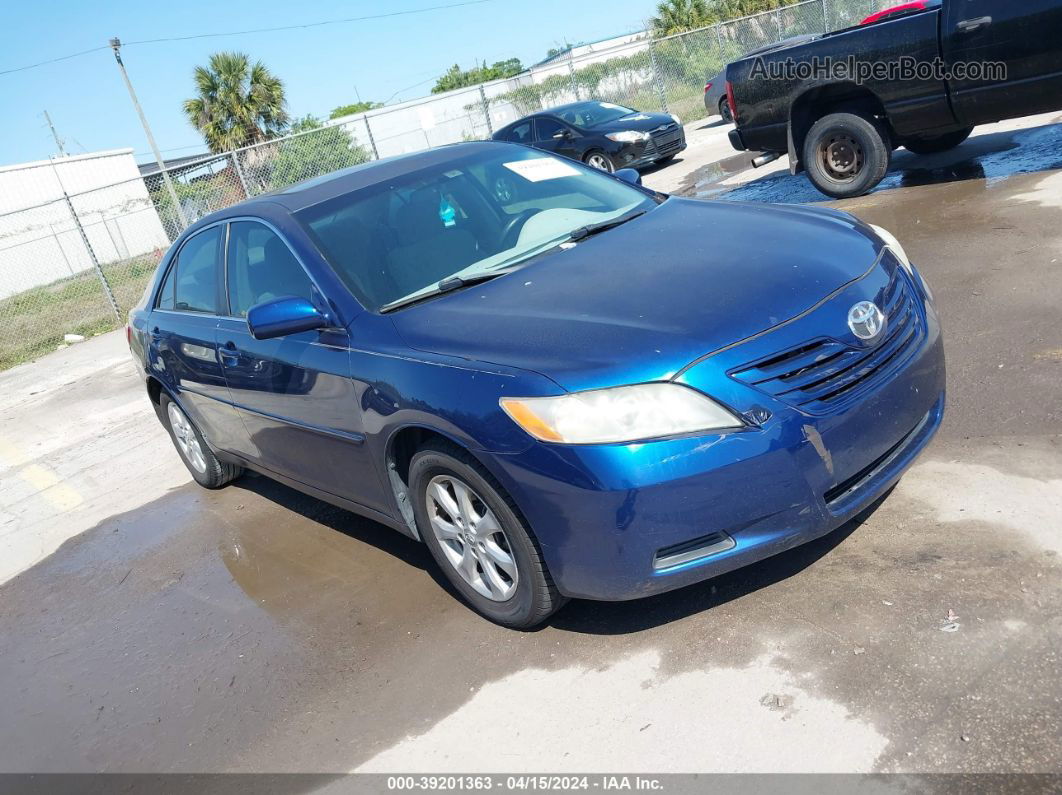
x=228, y=354
x=973, y=25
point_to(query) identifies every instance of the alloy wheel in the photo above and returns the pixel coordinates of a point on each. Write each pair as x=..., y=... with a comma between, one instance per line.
x=471, y=538
x=185, y=436
x=600, y=162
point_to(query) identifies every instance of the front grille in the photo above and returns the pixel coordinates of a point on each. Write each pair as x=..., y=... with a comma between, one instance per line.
x=666, y=141
x=818, y=375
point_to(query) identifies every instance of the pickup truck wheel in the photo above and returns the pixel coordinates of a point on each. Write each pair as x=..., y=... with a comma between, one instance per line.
x=846, y=155
x=724, y=111
x=941, y=143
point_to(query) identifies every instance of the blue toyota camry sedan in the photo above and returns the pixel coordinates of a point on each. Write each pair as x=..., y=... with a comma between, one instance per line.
x=546, y=373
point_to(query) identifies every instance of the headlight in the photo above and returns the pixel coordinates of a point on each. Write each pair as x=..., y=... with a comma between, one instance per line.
x=889, y=239
x=620, y=414
x=627, y=136
x=676, y=118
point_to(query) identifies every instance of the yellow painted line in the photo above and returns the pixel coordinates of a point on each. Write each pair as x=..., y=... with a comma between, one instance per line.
x=47, y=484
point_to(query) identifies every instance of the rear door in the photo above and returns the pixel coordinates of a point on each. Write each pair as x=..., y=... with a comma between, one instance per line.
x=182, y=328
x=294, y=393
x=555, y=136
x=1025, y=36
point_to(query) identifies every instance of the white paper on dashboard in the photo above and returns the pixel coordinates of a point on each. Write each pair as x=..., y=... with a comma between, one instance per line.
x=541, y=168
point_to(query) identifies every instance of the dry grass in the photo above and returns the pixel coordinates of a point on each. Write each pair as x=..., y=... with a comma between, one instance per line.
x=32, y=323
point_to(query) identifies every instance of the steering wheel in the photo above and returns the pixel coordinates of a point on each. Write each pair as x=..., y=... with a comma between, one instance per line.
x=511, y=231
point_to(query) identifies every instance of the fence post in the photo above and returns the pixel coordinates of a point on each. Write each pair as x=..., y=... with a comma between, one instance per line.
x=571, y=75
x=656, y=77
x=372, y=141
x=778, y=19
x=825, y=16
x=239, y=173
x=92, y=256
x=486, y=109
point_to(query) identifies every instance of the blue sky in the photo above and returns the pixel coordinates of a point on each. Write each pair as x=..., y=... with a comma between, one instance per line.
x=320, y=66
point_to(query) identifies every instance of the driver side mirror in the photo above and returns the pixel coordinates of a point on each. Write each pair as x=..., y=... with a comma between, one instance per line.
x=629, y=175
x=282, y=316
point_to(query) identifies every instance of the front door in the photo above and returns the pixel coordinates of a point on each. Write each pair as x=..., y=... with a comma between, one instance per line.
x=294, y=393
x=556, y=136
x=1024, y=36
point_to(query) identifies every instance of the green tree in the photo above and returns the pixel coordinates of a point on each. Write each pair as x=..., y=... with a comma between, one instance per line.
x=321, y=150
x=354, y=107
x=237, y=103
x=456, y=77
x=678, y=16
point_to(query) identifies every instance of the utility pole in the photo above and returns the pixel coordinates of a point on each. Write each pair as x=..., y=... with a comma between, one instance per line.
x=55, y=135
x=116, y=45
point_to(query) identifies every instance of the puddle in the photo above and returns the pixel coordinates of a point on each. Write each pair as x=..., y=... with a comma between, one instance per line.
x=990, y=157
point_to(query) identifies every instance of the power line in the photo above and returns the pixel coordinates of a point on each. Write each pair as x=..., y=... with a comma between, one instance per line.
x=304, y=26
x=52, y=60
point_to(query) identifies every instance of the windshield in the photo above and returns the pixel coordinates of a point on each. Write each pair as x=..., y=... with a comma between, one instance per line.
x=590, y=114
x=491, y=210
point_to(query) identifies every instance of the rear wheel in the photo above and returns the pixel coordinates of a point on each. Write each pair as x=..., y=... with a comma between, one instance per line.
x=477, y=537
x=724, y=111
x=941, y=143
x=205, y=467
x=599, y=160
x=846, y=154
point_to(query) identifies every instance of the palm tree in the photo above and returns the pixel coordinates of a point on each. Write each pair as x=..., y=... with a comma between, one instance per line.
x=238, y=103
x=678, y=16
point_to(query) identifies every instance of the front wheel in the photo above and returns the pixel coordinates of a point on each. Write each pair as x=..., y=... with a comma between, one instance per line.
x=600, y=161
x=941, y=143
x=477, y=538
x=846, y=154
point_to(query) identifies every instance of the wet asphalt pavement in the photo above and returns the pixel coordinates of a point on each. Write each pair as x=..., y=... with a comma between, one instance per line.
x=257, y=629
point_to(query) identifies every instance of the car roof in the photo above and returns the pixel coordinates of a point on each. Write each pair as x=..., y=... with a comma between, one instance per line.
x=327, y=186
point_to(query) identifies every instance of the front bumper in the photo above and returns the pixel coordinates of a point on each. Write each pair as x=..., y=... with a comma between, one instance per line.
x=606, y=515
x=652, y=151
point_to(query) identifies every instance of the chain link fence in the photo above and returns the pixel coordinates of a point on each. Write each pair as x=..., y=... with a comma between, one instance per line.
x=75, y=264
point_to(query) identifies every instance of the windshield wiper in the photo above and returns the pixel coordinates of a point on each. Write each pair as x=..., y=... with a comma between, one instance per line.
x=583, y=232
x=447, y=285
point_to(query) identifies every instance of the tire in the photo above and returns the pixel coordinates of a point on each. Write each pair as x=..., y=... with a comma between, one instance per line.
x=599, y=160
x=846, y=155
x=941, y=143
x=437, y=474
x=196, y=454
x=724, y=111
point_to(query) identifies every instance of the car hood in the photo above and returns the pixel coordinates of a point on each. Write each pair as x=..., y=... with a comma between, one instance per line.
x=641, y=301
x=643, y=122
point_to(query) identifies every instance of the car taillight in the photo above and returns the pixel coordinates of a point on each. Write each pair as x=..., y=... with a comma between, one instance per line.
x=730, y=99
x=128, y=334
x=707, y=87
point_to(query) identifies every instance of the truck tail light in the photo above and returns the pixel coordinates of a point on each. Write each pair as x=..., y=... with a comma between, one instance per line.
x=730, y=99
x=903, y=8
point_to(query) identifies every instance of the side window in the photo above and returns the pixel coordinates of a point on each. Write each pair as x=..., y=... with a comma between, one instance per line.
x=545, y=129
x=261, y=267
x=196, y=284
x=520, y=134
x=166, y=293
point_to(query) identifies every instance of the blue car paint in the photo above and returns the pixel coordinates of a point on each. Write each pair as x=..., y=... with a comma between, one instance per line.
x=650, y=300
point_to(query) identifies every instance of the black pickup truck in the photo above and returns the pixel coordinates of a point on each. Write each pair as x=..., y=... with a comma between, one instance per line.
x=967, y=62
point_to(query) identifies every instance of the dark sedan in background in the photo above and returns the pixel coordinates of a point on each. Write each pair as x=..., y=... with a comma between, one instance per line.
x=715, y=101
x=603, y=135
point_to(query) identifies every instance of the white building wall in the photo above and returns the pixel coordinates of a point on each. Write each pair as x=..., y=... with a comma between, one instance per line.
x=39, y=242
